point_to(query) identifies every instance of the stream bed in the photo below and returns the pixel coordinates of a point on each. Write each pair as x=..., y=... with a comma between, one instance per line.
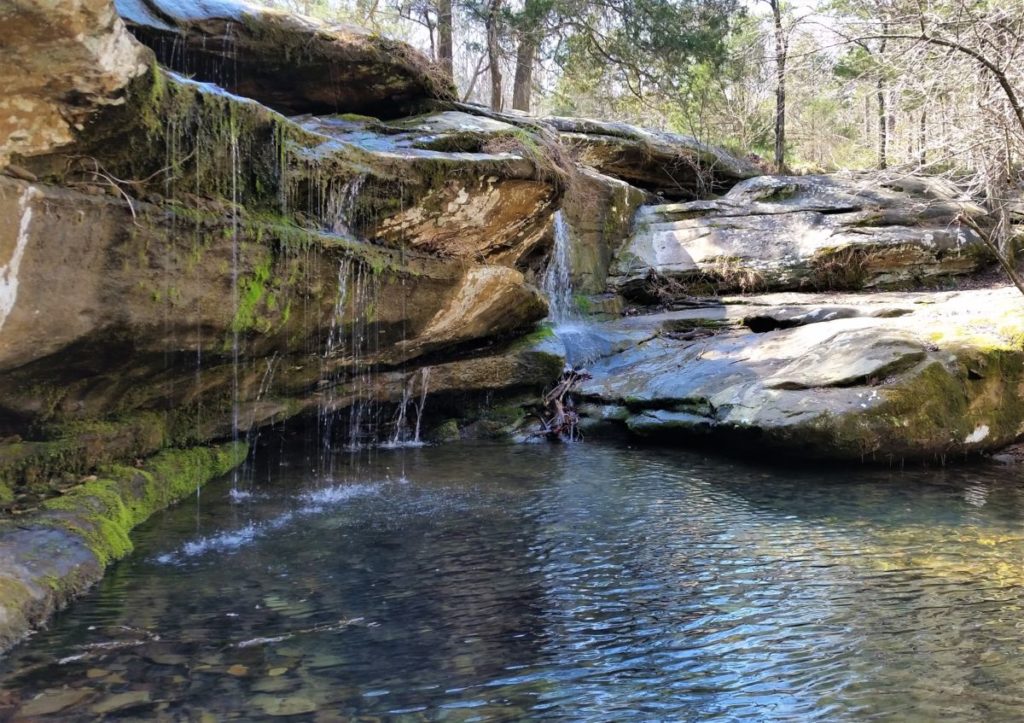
x=594, y=582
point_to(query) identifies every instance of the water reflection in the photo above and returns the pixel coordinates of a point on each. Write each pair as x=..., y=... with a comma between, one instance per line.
x=575, y=582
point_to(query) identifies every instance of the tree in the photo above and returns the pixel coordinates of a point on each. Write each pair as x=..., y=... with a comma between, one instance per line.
x=531, y=28
x=781, y=53
x=445, y=45
x=492, y=24
x=957, y=39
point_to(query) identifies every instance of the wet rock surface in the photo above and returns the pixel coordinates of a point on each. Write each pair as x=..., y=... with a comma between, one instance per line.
x=942, y=380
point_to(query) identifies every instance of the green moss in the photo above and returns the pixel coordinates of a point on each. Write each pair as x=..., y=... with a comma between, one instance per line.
x=356, y=118
x=251, y=290
x=936, y=409
x=447, y=431
x=543, y=332
x=103, y=511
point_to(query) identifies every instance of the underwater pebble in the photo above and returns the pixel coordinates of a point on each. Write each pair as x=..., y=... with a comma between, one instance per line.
x=238, y=670
x=293, y=705
x=120, y=701
x=53, y=701
x=279, y=684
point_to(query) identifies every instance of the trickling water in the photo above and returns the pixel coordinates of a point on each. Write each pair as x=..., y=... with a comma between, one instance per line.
x=364, y=410
x=557, y=281
x=577, y=335
x=400, y=435
x=403, y=405
x=568, y=582
x=234, y=290
x=340, y=205
x=335, y=344
x=424, y=382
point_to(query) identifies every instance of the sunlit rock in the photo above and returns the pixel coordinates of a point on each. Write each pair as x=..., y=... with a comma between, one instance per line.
x=944, y=379
x=802, y=233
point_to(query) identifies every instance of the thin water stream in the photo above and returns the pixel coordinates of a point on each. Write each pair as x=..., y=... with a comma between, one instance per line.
x=574, y=582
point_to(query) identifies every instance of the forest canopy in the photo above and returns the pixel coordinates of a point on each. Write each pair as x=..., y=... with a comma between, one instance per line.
x=931, y=86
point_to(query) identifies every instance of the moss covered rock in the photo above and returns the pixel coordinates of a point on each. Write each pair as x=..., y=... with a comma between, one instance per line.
x=944, y=379
x=291, y=63
x=55, y=554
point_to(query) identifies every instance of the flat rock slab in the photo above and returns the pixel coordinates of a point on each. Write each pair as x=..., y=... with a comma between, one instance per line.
x=800, y=232
x=943, y=377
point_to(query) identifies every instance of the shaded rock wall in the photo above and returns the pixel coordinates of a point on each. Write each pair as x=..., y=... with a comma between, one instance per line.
x=290, y=63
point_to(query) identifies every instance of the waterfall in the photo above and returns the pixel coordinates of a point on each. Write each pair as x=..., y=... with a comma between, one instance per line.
x=578, y=336
x=340, y=205
x=335, y=340
x=400, y=435
x=234, y=294
x=557, y=281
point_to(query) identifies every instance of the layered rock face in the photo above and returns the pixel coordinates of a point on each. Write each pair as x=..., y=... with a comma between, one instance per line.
x=670, y=165
x=882, y=377
x=287, y=62
x=185, y=264
x=801, y=232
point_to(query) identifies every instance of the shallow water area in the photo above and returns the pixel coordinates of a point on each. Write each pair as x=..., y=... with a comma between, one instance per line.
x=574, y=582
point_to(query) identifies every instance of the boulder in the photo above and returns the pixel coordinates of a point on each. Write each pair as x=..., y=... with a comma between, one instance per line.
x=291, y=63
x=449, y=184
x=944, y=379
x=599, y=212
x=801, y=232
x=671, y=165
x=59, y=64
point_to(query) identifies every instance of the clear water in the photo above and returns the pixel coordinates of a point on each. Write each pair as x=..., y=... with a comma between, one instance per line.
x=575, y=582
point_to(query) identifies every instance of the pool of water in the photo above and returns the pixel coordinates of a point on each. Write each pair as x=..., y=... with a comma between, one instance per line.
x=575, y=582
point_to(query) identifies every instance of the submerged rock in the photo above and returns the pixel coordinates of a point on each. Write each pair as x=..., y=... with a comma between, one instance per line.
x=945, y=379
x=50, y=556
x=801, y=232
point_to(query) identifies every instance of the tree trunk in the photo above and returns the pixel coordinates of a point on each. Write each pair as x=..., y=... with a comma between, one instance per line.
x=922, y=138
x=523, y=85
x=883, y=112
x=494, y=54
x=780, y=88
x=445, y=46
x=883, y=126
